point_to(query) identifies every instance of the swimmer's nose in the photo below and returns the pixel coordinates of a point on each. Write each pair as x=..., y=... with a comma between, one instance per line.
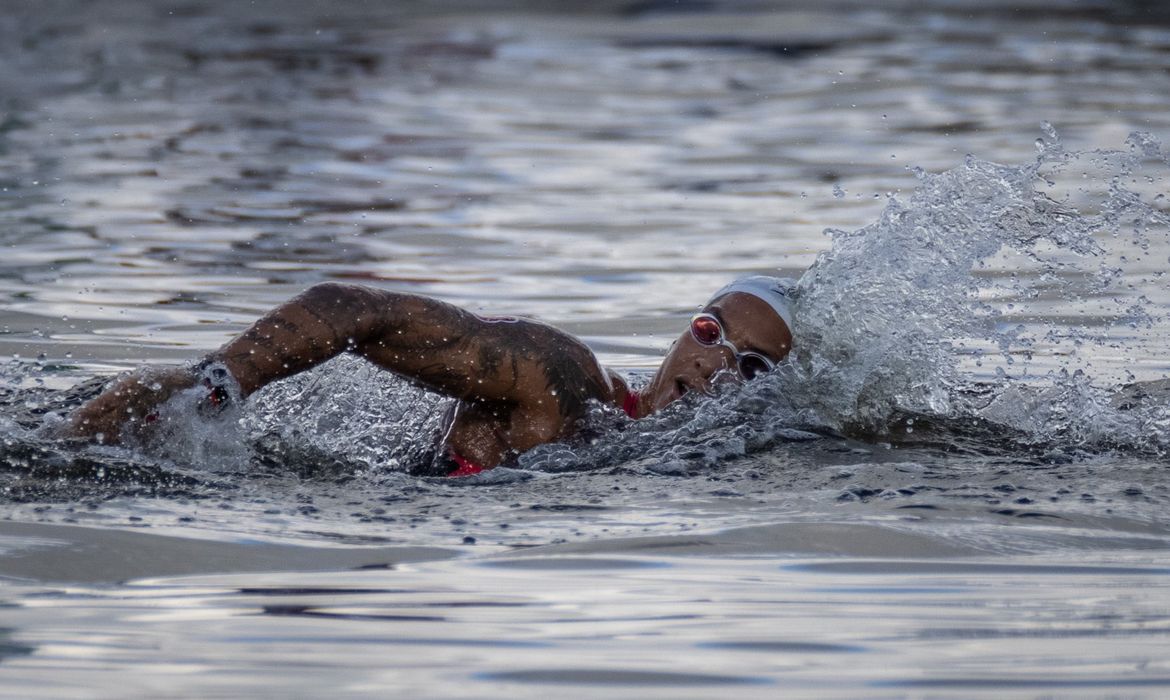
x=712, y=361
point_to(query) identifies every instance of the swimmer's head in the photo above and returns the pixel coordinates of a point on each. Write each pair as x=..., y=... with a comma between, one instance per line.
x=775, y=291
x=744, y=330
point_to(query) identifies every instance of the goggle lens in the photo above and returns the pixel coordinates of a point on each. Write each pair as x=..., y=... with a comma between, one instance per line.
x=752, y=365
x=706, y=330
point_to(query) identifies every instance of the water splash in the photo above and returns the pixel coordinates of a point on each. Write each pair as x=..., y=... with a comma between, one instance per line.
x=982, y=307
x=347, y=414
x=890, y=320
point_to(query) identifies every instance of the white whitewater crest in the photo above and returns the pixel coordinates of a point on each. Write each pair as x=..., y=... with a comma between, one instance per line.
x=900, y=316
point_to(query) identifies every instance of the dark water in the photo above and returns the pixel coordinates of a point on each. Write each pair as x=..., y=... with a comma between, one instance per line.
x=955, y=489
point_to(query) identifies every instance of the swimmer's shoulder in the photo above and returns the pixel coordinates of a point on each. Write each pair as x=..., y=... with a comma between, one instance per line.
x=561, y=357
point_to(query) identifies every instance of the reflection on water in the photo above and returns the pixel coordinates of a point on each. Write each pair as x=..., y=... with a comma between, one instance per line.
x=660, y=626
x=169, y=172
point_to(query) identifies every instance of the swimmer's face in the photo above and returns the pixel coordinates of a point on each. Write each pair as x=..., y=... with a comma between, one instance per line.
x=749, y=324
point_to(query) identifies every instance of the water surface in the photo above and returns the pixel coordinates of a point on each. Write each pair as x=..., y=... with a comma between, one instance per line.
x=954, y=489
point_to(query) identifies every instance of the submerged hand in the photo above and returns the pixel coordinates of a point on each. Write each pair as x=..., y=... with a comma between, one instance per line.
x=127, y=403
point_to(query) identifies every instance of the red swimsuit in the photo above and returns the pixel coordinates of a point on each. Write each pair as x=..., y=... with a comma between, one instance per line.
x=466, y=466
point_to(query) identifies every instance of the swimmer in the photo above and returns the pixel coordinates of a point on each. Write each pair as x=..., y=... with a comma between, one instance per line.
x=518, y=383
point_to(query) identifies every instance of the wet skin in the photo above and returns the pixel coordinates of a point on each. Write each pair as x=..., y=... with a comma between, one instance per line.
x=748, y=322
x=519, y=383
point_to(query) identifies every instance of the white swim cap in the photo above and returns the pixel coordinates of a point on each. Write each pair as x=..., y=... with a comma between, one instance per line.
x=777, y=291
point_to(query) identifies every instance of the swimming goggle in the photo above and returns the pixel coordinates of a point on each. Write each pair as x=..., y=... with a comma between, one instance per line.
x=707, y=330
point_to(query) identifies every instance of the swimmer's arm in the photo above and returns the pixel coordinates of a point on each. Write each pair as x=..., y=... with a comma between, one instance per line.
x=430, y=342
x=427, y=341
x=309, y=329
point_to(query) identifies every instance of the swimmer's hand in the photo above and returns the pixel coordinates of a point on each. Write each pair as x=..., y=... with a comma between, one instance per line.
x=125, y=405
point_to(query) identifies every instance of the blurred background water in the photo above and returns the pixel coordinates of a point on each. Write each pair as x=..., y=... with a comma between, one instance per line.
x=956, y=491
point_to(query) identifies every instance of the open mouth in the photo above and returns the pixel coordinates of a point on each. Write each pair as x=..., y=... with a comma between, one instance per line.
x=680, y=388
